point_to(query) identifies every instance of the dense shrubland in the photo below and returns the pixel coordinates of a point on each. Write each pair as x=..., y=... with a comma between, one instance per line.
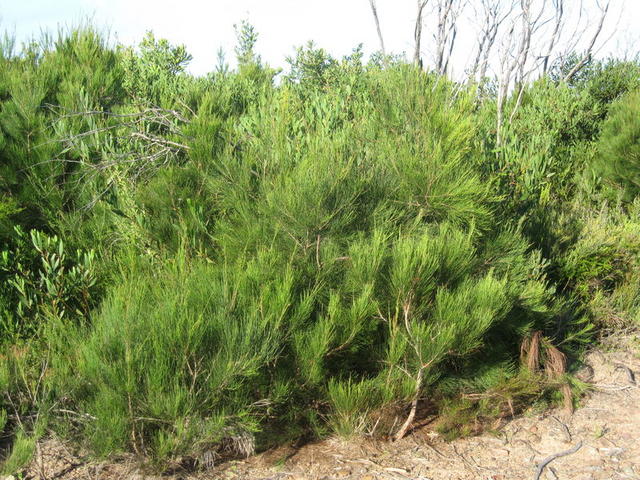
x=200, y=267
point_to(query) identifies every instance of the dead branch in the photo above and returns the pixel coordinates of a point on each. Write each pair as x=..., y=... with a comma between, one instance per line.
x=414, y=407
x=551, y=458
x=417, y=34
x=559, y=14
x=374, y=10
x=156, y=140
x=531, y=24
x=508, y=64
x=446, y=32
x=587, y=55
x=494, y=16
x=135, y=144
x=630, y=375
x=156, y=112
x=564, y=428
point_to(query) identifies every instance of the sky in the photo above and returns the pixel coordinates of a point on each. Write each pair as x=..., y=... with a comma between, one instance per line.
x=204, y=26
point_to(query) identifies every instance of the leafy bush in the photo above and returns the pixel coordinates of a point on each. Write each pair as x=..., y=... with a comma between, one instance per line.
x=603, y=268
x=156, y=72
x=41, y=281
x=22, y=451
x=179, y=378
x=295, y=259
x=618, y=157
x=341, y=283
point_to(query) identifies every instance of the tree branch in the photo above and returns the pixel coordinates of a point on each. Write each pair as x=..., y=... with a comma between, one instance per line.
x=587, y=56
x=374, y=10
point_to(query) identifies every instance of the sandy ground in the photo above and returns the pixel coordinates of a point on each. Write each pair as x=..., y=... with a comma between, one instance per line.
x=603, y=436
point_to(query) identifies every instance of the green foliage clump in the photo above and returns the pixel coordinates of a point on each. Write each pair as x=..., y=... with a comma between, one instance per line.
x=22, y=451
x=617, y=159
x=602, y=267
x=181, y=377
x=41, y=281
x=156, y=71
x=336, y=281
x=216, y=265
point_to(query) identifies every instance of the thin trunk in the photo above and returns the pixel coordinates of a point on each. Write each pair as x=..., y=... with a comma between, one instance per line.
x=506, y=73
x=418, y=33
x=559, y=6
x=495, y=15
x=448, y=11
x=374, y=10
x=414, y=407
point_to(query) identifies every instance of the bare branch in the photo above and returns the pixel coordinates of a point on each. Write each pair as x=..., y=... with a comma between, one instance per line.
x=495, y=12
x=446, y=31
x=586, y=57
x=417, y=34
x=559, y=14
x=374, y=10
x=134, y=144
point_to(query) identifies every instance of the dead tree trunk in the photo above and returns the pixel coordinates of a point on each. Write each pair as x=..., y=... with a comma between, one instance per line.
x=374, y=10
x=446, y=31
x=559, y=14
x=417, y=34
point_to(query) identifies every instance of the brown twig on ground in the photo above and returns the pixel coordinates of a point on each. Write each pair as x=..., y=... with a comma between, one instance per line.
x=564, y=428
x=433, y=449
x=551, y=458
x=630, y=375
x=527, y=443
x=603, y=387
x=466, y=462
x=553, y=473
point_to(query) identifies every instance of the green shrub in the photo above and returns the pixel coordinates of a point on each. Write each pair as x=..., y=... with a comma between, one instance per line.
x=186, y=371
x=156, y=71
x=43, y=282
x=272, y=260
x=24, y=402
x=603, y=266
x=22, y=451
x=618, y=157
x=341, y=282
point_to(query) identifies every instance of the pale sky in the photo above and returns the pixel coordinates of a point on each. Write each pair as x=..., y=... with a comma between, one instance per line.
x=206, y=25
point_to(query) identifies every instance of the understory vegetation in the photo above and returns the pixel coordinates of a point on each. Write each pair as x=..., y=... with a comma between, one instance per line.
x=196, y=268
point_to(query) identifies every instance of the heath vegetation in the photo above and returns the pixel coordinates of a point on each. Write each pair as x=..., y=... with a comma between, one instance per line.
x=194, y=268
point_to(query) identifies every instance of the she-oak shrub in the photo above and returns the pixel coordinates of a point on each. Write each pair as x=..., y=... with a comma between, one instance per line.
x=316, y=257
x=353, y=267
x=618, y=157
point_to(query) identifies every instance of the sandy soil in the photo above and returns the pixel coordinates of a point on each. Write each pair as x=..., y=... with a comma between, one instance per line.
x=605, y=430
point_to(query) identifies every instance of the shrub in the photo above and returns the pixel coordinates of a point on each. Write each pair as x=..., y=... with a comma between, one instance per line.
x=22, y=451
x=156, y=72
x=342, y=282
x=602, y=266
x=178, y=378
x=618, y=157
x=43, y=282
x=323, y=255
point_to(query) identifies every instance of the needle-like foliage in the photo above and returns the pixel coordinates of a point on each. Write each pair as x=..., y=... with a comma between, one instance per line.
x=197, y=268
